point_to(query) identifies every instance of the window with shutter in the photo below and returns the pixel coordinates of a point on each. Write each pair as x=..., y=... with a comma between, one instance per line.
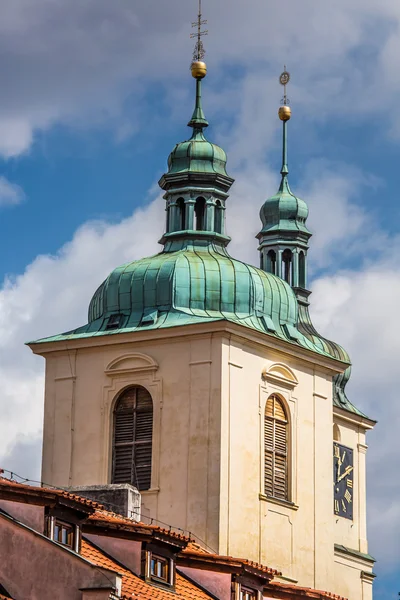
x=275, y=449
x=133, y=429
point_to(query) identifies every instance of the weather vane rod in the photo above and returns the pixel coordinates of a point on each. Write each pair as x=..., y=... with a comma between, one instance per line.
x=284, y=80
x=199, y=51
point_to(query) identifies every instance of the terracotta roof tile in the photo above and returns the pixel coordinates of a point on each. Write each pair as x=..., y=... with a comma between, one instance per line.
x=197, y=552
x=303, y=591
x=134, y=587
x=104, y=516
x=7, y=483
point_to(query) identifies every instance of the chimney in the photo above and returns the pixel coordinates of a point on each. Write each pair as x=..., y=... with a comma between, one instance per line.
x=120, y=498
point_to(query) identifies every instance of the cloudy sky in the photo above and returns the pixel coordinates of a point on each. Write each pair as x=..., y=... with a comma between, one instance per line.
x=93, y=96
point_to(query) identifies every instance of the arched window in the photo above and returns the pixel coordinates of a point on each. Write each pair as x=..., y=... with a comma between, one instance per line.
x=302, y=270
x=218, y=217
x=287, y=266
x=133, y=429
x=181, y=214
x=276, y=449
x=199, y=209
x=336, y=433
x=271, y=262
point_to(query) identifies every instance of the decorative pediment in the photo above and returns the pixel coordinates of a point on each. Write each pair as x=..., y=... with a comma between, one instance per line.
x=279, y=373
x=131, y=363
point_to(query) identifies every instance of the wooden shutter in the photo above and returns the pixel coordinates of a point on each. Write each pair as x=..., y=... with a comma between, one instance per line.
x=133, y=430
x=275, y=449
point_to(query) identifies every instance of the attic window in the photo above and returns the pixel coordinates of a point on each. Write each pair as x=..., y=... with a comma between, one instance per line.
x=247, y=593
x=114, y=322
x=159, y=569
x=64, y=533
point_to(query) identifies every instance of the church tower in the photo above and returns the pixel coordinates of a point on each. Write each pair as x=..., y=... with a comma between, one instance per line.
x=200, y=380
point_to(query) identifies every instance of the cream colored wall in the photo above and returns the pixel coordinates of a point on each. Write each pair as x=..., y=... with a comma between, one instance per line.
x=183, y=378
x=209, y=392
x=297, y=539
x=352, y=577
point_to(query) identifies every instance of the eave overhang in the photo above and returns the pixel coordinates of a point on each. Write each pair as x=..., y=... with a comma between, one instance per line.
x=222, y=327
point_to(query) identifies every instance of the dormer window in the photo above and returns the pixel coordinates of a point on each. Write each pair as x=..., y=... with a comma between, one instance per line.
x=114, y=322
x=64, y=533
x=159, y=567
x=248, y=594
x=245, y=590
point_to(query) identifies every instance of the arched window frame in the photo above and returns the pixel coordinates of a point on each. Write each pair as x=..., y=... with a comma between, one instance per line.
x=274, y=485
x=200, y=214
x=302, y=269
x=287, y=265
x=271, y=262
x=132, y=440
x=181, y=214
x=218, y=217
x=336, y=433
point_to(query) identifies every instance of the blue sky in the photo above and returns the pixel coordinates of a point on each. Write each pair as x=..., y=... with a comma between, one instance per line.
x=94, y=95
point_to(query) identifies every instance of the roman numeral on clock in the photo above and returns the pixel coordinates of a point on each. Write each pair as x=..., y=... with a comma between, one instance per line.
x=347, y=495
x=349, y=483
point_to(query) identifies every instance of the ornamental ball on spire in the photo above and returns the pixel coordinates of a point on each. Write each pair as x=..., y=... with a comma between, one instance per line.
x=284, y=113
x=199, y=69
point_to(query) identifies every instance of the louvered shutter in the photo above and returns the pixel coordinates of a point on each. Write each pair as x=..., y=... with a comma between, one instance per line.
x=133, y=429
x=275, y=449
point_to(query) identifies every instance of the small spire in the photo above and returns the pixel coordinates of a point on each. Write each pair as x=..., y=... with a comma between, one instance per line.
x=199, y=71
x=284, y=115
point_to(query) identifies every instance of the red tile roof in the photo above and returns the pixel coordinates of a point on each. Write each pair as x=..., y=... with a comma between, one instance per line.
x=295, y=591
x=8, y=484
x=134, y=587
x=195, y=554
x=105, y=518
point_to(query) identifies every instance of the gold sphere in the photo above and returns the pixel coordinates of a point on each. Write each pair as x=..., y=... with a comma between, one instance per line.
x=284, y=113
x=199, y=69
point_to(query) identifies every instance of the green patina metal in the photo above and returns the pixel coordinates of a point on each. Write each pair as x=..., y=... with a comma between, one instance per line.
x=197, y=283
x=197, y=155
x=284, y=212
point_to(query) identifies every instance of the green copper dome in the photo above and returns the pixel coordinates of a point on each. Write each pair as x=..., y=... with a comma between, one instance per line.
x=198, y=279
x=193, y=282
x=284, y=211
x=197, y=154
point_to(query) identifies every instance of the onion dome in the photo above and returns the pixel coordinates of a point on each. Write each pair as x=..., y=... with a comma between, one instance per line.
x=197, y=154
x=284, y=210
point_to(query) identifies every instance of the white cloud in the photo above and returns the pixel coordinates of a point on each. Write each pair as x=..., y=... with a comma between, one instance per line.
x=77, y=62
x=10, y=193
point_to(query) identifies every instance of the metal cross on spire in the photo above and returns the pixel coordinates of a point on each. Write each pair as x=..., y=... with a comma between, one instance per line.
x=199, y=51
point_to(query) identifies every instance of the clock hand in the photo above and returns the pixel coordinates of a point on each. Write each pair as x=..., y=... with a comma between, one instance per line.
x=343, y=475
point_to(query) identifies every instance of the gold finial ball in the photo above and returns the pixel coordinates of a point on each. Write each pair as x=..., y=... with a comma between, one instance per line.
x=284, y=113
x=199, y=69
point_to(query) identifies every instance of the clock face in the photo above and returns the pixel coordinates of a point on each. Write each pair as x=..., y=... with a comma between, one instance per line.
x=343, y=481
